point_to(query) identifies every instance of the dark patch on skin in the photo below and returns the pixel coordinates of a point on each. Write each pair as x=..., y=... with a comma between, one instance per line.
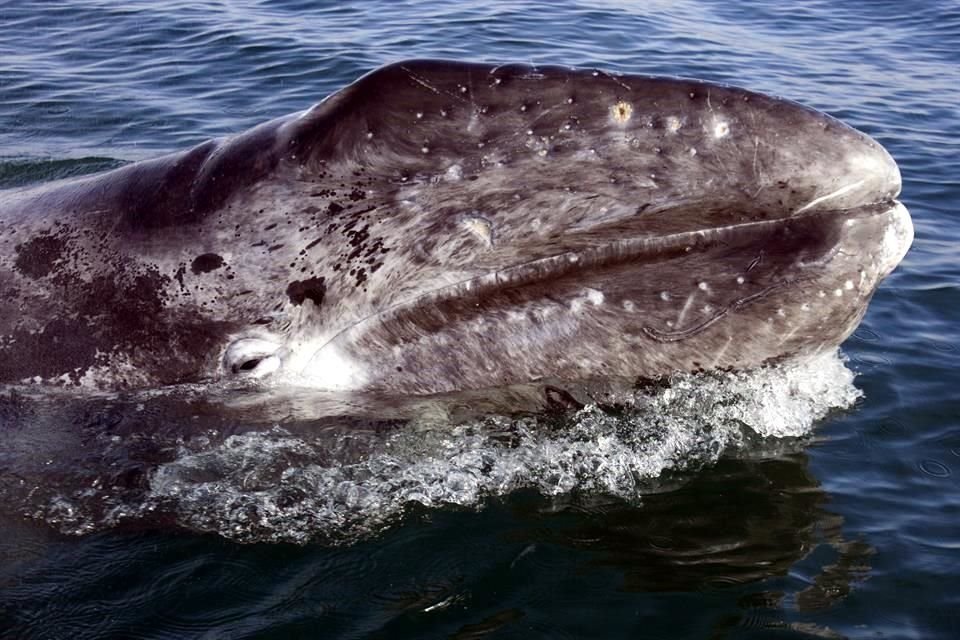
x=122, y=312
x=311, y=289
x=39, y=256
x=178, y=276
x=206, y=263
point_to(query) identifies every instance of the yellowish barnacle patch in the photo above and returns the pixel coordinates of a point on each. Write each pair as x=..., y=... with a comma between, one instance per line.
x=481, y=228
x=621, y=111
x=673, y=124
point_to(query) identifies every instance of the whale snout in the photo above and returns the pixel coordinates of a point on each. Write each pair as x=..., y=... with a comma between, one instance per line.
x=845, y=167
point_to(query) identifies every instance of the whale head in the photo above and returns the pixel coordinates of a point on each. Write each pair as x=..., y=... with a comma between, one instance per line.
x=440, y=226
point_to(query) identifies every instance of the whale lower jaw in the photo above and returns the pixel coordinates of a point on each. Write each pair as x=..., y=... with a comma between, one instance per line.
x=730, y=297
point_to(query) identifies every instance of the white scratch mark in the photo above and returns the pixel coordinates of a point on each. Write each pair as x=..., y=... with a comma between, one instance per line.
x=686, y=307
x=839, y=192
x=790, y=334
x=615, y=79
x=720, y=353
x=421, y=81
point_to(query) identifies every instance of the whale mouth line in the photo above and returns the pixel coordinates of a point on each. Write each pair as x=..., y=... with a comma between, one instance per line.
x=606, y=255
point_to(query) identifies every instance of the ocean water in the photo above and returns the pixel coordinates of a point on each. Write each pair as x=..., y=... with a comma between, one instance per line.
x=817, y=500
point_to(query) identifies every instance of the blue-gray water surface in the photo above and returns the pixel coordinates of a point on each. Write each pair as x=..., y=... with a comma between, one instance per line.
x=604, y=527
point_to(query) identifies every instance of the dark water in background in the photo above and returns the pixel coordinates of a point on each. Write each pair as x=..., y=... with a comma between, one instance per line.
x=655, y=523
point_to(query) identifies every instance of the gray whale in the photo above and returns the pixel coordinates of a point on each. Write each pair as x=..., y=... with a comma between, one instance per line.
x=439, y=226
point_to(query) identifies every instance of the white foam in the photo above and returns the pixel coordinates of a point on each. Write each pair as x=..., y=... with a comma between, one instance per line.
x=276, y=485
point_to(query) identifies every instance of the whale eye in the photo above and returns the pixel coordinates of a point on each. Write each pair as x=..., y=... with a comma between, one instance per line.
x=252, y=357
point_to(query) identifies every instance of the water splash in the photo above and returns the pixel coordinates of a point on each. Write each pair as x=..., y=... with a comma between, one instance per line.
x=277, y=485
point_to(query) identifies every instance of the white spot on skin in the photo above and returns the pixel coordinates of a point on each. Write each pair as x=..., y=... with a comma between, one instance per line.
x=595, y=297
x=629, y=306
x=673, y=124
x=591, y=296
x=454, y=173
x=419, y=115
x=707, y=309
x=821, y=294
x=838, y=292
x=664, y=295
x=805, y=307
x=703, y=286
x=424, y=149
x=740, y=280
x=693, y=151
x=721, y=129
x=848, y=285
x=781, y=313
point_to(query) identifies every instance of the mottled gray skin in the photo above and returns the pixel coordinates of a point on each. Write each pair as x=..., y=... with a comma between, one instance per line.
x=440, y=226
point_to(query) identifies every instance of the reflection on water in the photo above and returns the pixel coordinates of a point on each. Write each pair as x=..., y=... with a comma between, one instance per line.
x=755, y=532
x=744, y=521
